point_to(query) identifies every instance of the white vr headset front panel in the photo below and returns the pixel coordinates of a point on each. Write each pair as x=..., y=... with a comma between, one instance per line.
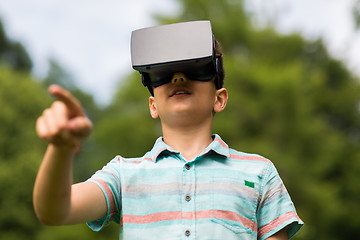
x=171, y=43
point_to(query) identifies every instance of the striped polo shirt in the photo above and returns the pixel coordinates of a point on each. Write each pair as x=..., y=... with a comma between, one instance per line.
x=221, y=194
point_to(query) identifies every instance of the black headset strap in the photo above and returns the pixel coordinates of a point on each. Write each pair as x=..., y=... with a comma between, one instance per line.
x=146, y=82
x=218, y=71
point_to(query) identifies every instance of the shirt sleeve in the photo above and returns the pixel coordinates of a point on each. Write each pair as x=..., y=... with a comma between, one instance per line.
x=108, y=179
x=276, y=210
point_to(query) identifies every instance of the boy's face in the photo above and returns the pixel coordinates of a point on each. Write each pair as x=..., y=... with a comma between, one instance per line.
x=183, y=99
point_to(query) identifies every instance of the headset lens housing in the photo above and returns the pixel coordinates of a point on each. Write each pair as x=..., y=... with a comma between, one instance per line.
x=200, y=73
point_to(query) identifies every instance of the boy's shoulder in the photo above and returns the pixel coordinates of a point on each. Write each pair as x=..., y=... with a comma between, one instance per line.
x=248, y=163
x=236, y=155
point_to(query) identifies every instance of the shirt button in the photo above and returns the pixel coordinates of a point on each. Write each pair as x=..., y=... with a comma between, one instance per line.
x=187, y=166
x=187, y=198
x=187, y=233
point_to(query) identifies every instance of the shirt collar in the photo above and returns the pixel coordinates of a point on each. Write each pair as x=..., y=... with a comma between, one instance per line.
x=160, y=147
x=217, y=146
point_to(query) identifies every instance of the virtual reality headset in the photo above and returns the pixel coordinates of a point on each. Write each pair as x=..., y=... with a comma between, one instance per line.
x=189, y=47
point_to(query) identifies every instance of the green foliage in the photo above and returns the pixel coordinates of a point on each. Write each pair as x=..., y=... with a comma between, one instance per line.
x=21, y=101
x=13, y=54
x=80, y=231
x=58, y=75
x=128, y=128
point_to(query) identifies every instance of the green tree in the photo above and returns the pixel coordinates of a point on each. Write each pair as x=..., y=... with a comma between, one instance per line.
x=21, y=101
x=12, y=53
x=58, y=75
x=127, y=127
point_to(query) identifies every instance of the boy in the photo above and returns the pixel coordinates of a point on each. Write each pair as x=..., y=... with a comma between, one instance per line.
x=191, y=185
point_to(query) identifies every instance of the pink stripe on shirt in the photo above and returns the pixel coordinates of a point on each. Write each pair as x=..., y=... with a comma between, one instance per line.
x=175, y=215
x=221, y=143
x=109, y=194
x=249, y=157
x=276, y=223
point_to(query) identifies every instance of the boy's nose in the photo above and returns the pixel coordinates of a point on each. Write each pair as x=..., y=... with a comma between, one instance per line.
x=179, y=78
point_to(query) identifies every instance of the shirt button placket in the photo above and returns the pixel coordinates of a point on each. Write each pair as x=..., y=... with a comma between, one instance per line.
x=188, y=207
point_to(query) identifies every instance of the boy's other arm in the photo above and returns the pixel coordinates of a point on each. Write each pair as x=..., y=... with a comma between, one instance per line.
x=56, y=201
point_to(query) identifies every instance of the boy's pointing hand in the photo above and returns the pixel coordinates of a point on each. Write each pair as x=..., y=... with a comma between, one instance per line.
x=64, y=124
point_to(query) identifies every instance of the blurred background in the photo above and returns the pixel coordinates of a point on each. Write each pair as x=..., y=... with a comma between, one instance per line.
x=292, y=71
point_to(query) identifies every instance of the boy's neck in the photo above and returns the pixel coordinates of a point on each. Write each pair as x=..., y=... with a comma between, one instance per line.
x=190, y=142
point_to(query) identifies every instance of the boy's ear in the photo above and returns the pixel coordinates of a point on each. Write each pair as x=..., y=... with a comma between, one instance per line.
x=221, y=99
x=152, y=106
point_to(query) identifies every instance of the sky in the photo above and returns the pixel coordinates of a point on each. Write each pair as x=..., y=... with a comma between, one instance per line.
x=91, y=39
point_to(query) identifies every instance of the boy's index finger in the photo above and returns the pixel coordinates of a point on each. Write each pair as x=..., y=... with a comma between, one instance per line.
x=73, y=105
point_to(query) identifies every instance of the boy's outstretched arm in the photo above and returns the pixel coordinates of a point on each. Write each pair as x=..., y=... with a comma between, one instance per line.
x=56, y=200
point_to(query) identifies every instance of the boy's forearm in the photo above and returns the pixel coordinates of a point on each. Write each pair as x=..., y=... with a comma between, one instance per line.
x=52, y=189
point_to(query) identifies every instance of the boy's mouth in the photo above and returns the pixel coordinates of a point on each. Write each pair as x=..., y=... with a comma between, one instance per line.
x=179, y=92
